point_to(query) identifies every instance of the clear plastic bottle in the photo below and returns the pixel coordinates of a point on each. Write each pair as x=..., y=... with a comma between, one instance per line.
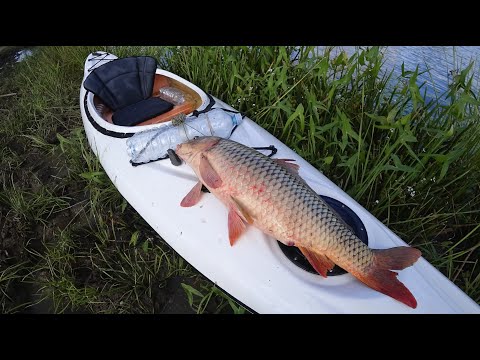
x=173, y=95
x=153, y=144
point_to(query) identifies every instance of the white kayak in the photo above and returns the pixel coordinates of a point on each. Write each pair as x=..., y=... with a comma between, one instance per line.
x=255, y=271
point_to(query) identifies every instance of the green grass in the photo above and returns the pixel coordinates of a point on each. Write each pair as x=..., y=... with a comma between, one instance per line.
x=76, y=245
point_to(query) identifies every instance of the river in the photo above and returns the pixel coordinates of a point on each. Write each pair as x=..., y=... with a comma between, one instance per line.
x=438, y=63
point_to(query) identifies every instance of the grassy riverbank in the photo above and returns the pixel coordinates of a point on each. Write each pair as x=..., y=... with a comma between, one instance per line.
x=69, y=242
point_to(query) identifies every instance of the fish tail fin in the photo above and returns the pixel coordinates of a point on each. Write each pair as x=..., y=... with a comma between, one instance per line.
x=380, y=278
x=397, y=258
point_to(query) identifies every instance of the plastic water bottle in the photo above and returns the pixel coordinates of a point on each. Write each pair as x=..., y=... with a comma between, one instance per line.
x=173, y=95
x=153, y=144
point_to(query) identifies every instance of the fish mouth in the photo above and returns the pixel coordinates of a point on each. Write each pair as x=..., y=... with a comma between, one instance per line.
x=180, y=151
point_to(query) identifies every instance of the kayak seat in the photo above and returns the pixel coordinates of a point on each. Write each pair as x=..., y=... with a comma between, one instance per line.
x=125, y=85
x=141, y=111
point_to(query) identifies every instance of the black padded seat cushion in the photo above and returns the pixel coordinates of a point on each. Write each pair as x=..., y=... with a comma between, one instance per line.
x=125, y=85
x=141, y=111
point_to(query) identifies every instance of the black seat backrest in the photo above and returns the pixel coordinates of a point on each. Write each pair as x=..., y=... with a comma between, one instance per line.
x=123, y=82
x=125, y=86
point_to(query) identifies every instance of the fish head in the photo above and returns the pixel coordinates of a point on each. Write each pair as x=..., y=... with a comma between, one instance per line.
x=189, y=150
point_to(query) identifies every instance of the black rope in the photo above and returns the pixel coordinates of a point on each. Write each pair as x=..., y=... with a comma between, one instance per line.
x=207, y=108
x=234, y=128
x=148, y=162
x=272, y=148
x=97, y=57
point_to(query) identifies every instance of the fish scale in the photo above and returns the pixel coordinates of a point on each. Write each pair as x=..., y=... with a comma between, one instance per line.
x=305, y=218
x=269, y=194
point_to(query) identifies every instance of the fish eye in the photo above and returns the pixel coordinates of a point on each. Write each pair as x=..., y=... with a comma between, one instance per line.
x=196, y=137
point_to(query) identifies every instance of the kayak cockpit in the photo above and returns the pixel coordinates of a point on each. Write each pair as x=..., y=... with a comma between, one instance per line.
x=134, y=92
x=192, y=101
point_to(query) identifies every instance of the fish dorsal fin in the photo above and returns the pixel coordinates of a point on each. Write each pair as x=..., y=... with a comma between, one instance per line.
x=321, y=263
x=193, y=197
x=288, y=165
x=292, y=169
x=208, y=173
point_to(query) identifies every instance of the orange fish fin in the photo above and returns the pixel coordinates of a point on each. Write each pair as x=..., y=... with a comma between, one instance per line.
x=292, y=168
x=193, y=197
x=236, y=226
x=241, y=211
x=208, y=173
x=380, y=278
x=397, y=258
x=288, y=165
x=319, y=262
x=386, y=282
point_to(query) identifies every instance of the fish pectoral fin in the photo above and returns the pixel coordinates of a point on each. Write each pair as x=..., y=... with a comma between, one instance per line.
x=288, y=165
x=321, y=263
x=236, y=226
x=208, y=173
x=241, y=211
x=193, y=196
